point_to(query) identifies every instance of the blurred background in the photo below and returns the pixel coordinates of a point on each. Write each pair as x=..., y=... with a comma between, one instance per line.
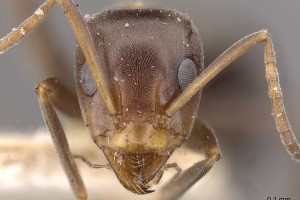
x=254, y=165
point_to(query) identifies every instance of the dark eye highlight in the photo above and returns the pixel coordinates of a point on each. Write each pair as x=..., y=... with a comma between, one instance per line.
x=87, y=81
x=186, y=73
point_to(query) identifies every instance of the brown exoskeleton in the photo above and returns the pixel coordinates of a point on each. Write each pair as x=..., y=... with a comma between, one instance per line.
x=136, y=115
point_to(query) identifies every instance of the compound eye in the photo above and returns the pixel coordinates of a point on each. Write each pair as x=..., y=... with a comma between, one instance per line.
x=87, y=81
x=186, y=73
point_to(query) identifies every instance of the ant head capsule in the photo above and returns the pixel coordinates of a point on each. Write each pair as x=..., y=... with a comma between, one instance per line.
x=148, y=57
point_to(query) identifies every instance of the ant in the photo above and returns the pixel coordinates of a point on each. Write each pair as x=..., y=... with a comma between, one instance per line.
x=139, y=88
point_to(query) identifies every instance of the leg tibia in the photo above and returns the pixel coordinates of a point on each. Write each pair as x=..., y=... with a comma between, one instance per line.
x=181, y=183
x=44, y=91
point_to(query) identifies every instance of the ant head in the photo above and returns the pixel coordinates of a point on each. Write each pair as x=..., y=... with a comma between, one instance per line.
x=148, y=57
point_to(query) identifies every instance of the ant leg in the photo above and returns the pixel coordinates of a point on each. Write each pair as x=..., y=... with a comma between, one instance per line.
x=62, y=98
x=90, y=164
x=182, y=182
x=288, y=137
x=47, y=98
x=166, y=167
